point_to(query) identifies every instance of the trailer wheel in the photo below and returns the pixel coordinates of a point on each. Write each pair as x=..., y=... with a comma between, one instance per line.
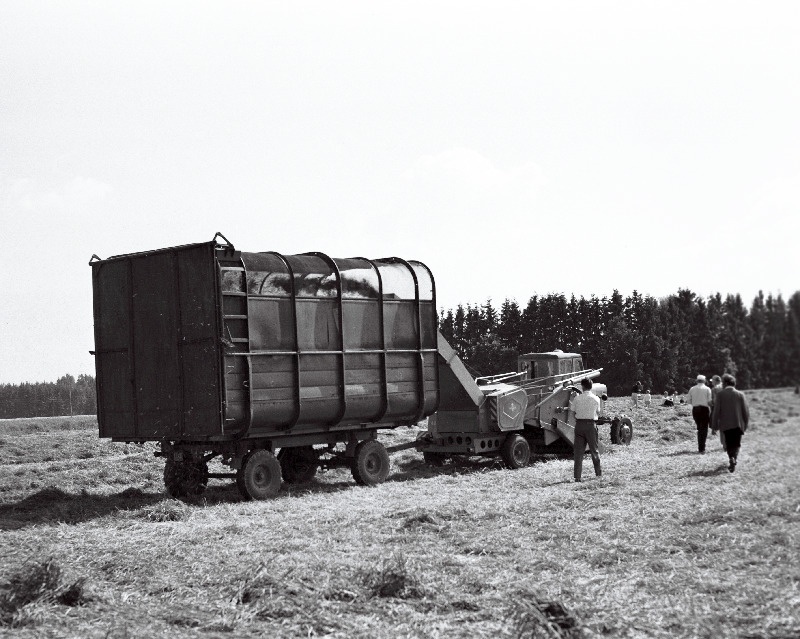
x=260, y=475
x=370, y=463
x=185, y=478
x=515, y=452
x=298, y=465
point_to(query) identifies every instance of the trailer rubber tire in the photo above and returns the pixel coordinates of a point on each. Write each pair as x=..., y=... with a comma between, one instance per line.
x=185, y=478
x=625, y=431
x=613, y=431
x=298, y=465
x=515, y=452
x=260, y=475
x=370, y=463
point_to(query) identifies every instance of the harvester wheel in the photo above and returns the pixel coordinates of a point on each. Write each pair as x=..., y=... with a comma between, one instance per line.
x=370, y=463
x=434, y=459
x=298, y=465
x=613, y=431
x=260, y=475
x=185, y=478
x=515, y=452
x=625, y=433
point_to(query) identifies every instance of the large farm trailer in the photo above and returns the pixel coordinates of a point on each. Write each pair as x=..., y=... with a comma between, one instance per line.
x=278, y=365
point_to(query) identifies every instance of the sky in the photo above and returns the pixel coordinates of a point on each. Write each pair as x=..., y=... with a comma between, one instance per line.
x=515, y=148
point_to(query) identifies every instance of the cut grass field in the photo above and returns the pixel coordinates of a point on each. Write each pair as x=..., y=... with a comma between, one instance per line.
x=667, y=543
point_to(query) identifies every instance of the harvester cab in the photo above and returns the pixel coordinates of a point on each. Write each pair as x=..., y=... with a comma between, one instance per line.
x=552, y=368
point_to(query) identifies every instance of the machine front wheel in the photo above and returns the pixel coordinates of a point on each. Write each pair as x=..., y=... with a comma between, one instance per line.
x=515, y=452
x=370, y=463
x=260, y=475
x=625, y=432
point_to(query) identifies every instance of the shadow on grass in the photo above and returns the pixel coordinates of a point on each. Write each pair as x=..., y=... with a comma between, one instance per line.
x=53, y=505
x=407, y=470
x=719, y=470
x=681, y=453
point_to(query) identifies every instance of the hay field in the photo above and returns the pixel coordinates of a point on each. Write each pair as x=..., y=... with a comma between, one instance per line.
x=667, y=543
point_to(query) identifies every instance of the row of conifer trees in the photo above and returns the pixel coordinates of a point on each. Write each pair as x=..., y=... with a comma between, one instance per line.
x=664, y=343
x=65, y=396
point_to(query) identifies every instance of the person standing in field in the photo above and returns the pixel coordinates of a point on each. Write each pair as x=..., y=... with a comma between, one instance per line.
x=700, y=399
x=716, y=387
x=635, y=392
x=731, y=416
x=586, y=407
x=647, y=398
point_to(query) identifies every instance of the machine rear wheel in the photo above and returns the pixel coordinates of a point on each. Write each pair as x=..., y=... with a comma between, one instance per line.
x=260, y=475
x=370, y=463
x=298, y=465
x=515, y=452
x=621, y=430
x=185, y=478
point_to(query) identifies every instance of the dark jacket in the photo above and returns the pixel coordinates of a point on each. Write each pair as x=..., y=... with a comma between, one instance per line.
x=730, y=410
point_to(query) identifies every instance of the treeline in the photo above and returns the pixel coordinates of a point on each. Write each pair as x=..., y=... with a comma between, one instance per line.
x=66, y=396
x=664, y=343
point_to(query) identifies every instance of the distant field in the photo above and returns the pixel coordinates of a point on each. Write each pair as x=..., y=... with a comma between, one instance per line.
x=666, y=544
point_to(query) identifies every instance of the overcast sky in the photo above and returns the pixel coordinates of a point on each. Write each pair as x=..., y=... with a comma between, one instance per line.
x=516, y=149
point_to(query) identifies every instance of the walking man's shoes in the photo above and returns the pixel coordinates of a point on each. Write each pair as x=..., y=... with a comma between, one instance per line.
x=732, y=464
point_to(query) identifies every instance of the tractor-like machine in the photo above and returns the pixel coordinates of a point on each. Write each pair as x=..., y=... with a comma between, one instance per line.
x=513, y=414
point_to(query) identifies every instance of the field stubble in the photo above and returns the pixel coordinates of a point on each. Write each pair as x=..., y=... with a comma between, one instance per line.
x=666, y=544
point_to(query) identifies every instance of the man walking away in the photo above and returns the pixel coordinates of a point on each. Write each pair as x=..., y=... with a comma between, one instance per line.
x=716, y=387
x=586, y=407
x=700, y=399
x=731, y=416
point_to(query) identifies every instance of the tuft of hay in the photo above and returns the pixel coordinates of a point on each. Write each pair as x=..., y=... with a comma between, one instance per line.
x=421, y=518
x=263, y=585
x=393, y=579
x=542, y=619
x=74, y=594
x=37, y=583
x=168, y=510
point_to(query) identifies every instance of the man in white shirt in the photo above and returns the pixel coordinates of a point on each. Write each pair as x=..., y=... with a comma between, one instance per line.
x=700, y=399
x=586, y=407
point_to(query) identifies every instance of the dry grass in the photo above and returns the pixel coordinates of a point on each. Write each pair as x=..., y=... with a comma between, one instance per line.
x=666, y=544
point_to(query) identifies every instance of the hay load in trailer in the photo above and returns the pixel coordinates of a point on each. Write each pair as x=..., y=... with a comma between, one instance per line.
x=279, y=365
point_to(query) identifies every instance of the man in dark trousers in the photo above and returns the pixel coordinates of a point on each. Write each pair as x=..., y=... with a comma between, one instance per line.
x=700, y=399
x=731, y=416
x=586, y=407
